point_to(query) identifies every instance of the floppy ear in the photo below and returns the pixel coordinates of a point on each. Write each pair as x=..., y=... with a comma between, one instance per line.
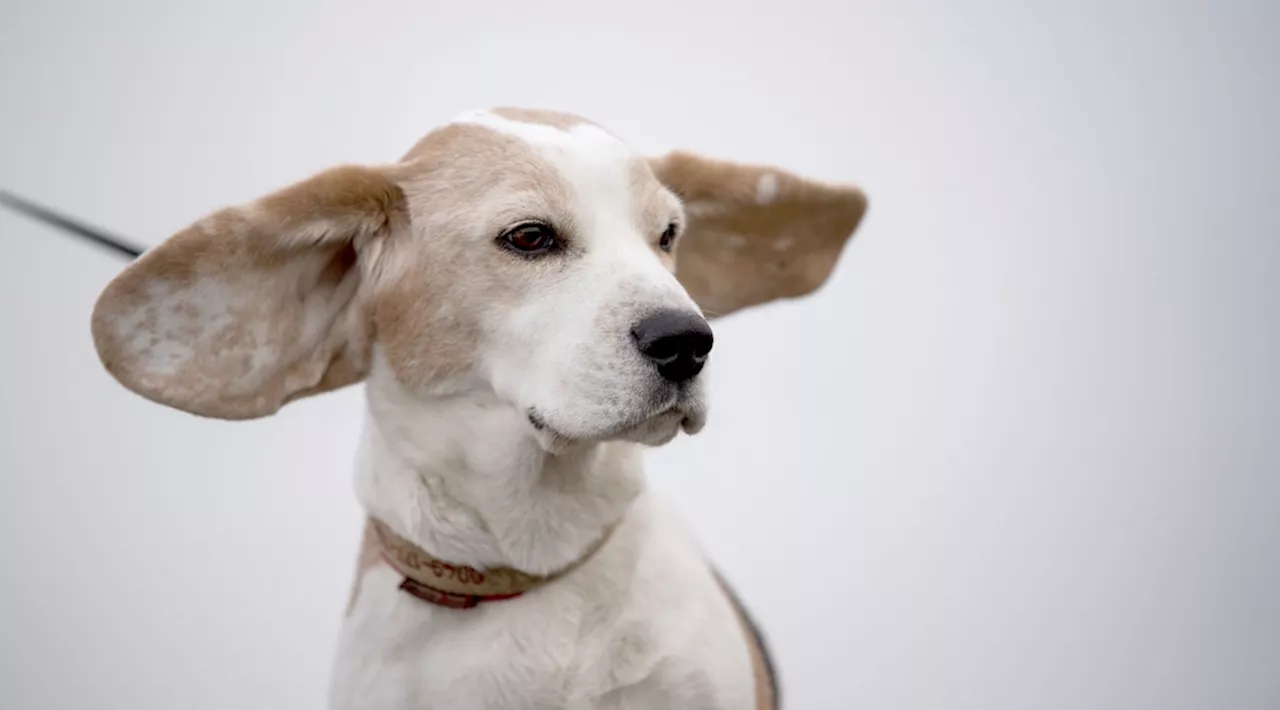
x=257, y=305
x=756, y=233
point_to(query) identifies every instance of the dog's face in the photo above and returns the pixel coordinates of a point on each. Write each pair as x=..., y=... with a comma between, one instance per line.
x=544, y=249
x=528, y=254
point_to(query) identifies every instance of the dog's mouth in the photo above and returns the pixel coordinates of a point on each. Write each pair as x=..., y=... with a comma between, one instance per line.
x=653, y=428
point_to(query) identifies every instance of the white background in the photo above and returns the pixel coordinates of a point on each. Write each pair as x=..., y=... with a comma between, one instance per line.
x=1023, y=451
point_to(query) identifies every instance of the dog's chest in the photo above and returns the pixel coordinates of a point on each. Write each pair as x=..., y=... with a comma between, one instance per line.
x=498, y=662
x=632, y=635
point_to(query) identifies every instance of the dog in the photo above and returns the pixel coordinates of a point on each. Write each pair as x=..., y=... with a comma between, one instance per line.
x=510, y=296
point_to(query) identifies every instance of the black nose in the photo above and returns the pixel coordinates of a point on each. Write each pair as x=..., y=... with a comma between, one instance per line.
x=676, y=341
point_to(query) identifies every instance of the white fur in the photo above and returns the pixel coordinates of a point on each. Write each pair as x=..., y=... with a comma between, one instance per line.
x=467, y=477
x=767, y=189
x=642, y=624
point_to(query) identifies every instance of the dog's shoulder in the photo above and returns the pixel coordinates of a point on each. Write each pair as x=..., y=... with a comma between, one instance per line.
x=697, y=616
x=673, y=541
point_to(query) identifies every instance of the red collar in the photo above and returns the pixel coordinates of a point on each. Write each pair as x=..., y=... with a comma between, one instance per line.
x=458, y=586
x=440, y=597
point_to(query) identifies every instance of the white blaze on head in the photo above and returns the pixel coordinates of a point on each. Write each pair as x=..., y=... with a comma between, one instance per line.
x=599, y=170
x=594, y=164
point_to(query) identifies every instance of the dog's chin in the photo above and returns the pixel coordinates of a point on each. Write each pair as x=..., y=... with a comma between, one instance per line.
x=654, y=430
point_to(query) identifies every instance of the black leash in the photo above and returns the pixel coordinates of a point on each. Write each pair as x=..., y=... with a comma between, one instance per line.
x=72, y=226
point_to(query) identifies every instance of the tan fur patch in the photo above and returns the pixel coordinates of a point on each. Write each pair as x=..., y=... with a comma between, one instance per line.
x=462, y=181
x=756, y=233
x=656, y=207
x=251, y=307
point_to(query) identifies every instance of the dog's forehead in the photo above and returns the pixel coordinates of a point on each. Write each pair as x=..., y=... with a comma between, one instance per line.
x=584, y=172
x=551, y=132
x=582, y=153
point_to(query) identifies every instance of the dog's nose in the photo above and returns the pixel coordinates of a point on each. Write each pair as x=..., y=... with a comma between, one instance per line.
x=676, y=341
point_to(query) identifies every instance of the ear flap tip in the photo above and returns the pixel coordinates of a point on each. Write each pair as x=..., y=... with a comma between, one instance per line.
x=106, y=343
x=857, y=195
x=851, y=201
x=111, y=344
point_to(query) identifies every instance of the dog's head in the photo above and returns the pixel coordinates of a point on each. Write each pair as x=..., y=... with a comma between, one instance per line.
x=529, y=254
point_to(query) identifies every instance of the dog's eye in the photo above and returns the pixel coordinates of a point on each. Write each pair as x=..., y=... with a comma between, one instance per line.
x=668, y=239
x=530, y=238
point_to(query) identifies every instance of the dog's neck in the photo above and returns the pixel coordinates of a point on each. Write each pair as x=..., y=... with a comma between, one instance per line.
x=464, y=478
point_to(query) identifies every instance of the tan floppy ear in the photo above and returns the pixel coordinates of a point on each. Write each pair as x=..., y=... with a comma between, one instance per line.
x=256, y=305
x=756, y=233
